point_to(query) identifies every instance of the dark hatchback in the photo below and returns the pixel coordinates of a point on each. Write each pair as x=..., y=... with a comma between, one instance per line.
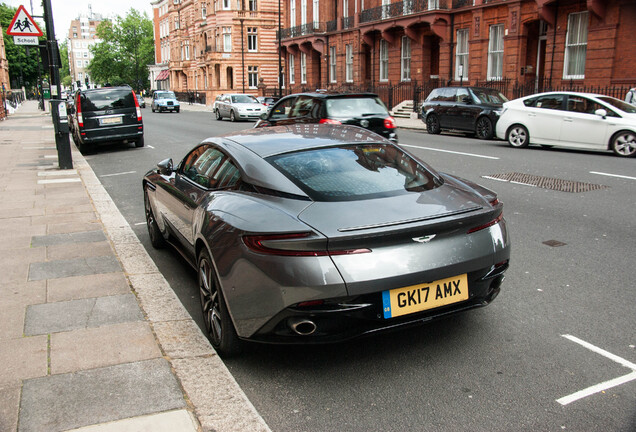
x=357, y=109
x=105, y=115
x=468, y=109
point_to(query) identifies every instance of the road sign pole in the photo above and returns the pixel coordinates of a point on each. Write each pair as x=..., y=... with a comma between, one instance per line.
x=58, y=111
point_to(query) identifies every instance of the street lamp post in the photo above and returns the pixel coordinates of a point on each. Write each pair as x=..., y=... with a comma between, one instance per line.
x=280, y=53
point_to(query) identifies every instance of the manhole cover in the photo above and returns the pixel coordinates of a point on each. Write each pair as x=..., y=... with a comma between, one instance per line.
x=546, y=182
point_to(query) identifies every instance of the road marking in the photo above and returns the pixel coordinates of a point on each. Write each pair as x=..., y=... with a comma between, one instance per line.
x=116, y=174
x=450, y=151
x=523, y=184
x=495, y=178
x=613, y=175
x=150, y=147
x=604, y=385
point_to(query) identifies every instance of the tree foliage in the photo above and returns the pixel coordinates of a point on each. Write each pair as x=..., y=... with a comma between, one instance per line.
x=23, y=68
x=125, y=51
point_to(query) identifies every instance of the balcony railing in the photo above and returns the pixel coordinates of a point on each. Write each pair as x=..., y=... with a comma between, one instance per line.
x=462, y=3
x=332, y=26
x=304, y=30
x=347, y=22
x=406, y=7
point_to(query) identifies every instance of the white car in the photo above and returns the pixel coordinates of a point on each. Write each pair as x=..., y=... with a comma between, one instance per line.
x=568, y=119
x=238, y=107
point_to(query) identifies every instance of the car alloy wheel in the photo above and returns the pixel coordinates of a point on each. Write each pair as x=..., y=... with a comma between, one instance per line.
x=624, y=144
x=518, y=136
x=432, y=124
x=156, y=238
x=218, y=323
x=484, y=128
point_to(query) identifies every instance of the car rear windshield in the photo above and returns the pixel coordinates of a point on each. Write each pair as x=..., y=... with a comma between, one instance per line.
x=354, y=172
x=109, y=98
x=491, y=97
x=355, y=106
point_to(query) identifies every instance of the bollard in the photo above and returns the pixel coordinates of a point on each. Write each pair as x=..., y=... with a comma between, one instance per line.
x=60, y=123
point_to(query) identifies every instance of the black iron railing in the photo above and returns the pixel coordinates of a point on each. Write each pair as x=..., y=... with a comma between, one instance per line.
x=303, y=30
x=406, y=7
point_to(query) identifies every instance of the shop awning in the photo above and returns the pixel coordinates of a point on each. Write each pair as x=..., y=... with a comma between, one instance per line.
x=163, y=75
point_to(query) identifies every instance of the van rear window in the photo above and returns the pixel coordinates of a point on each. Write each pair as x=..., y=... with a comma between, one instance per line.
x=110, y=98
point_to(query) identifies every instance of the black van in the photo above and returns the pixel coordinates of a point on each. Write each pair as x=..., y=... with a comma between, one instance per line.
x=108, y=114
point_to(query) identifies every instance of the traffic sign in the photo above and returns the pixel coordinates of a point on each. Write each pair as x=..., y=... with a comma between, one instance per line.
x=23, y=25
x=25, y=40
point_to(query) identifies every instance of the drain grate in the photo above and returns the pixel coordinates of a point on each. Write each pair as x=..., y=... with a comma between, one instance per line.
x=546, y=182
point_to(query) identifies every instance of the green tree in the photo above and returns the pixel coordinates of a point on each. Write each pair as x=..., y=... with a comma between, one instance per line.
x=126, y=49
x=65, y=73
x=23, y=67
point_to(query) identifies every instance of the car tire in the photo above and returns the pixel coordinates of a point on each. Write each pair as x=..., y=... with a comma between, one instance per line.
x=432, y=124
x=517, y=136
x=156, y=237
x=139, y=142
x=483, y=128
x=84, y=148
x=218, y=324
x=217, y=115
x=75, y=140
x=624, y=144
x=232, y=116
x=152, y=108
x=178, y=109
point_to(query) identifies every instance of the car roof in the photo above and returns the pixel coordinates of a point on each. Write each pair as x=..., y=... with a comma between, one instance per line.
x=93, y=90
x=329, y=94
x=571, y=93
x=275, y=140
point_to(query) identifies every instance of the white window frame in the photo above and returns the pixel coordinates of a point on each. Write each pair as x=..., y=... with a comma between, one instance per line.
x=292, y=13
x=303, y=12
x=227, y=4
x=252, y=76
x=303, y=68
x=332, y=65
x=348, y=63
x=345, y=8
x=316, y=13
x=461, y=54
x=252, y=39
x=384, y=60
x=204, y=11
x=292, y=68
x=227, y=39
x=576, y=46
x=495, y=52
x=405, y=59
x=252, y=5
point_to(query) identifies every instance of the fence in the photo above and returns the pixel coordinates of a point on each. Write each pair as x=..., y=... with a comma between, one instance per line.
x=394, y=94
x=192, y=96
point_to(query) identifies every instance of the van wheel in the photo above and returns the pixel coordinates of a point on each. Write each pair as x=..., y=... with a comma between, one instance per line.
x=85, y=148
x=139, y=142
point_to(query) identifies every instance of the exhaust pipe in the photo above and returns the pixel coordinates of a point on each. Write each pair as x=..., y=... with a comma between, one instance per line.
x=302, y=326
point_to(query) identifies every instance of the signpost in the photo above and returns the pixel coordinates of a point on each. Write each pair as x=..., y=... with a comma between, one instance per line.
x=24, y=29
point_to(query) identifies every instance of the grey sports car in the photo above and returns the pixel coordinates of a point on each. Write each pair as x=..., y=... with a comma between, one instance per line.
x=319, y=233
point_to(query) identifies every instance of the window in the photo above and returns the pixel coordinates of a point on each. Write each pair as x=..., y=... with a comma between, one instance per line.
x=345, y=9
x=185, y=50
x=332, y=64
x=303, y=12
x=252, y=39
x=316, y=12
x=384, y=60
x=547, y=102
x=386, y=4
x=85, y=54
x=461, y=55
x=495, y=52
x=201, y=163
x=303, y=68
x=405, y=63
x=583, y=105
x=282, y=109
x=252, y=76
x=292, y=69
x=292, y=13
x=251, y=5
x=79, y=63
x=227, y=39
x=226, y=4
x=85, y=63
x=204, y=11
x=576, y=46
x=176, y=23
x=79, y=76
x=348, y=63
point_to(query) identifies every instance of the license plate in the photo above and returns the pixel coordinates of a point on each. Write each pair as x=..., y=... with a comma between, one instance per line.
x=110, y=120
x=417, y=298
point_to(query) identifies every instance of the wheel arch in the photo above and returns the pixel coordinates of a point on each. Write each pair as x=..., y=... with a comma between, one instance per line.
x=518, y=124
x=615, y=134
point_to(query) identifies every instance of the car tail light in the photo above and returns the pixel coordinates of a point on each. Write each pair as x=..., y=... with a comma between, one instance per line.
x=487, y=225
x=78, y=111
x=256, y=244
x=329, y=121
x=137, y=106
x=494, y=201
x=389, y=123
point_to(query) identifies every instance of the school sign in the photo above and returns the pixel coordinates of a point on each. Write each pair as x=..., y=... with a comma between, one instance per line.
x=24, y=29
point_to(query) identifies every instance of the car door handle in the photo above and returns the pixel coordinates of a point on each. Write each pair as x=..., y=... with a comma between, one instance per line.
x=531, y=115
x=567, y=119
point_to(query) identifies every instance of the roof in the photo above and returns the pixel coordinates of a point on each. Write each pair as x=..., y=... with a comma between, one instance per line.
x=330, y=94
x=283, y=139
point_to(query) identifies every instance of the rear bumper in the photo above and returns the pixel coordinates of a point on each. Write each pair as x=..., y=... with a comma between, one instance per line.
x=94, y=137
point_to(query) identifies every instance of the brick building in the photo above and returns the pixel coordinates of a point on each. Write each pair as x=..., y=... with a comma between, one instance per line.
x=533, y=44
x=209, y=47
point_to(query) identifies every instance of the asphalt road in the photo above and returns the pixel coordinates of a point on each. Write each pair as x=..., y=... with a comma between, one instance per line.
x=565, y=321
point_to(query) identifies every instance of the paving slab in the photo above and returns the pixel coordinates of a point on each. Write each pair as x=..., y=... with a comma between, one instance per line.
x=14, y=266
x=23, y=358
x=102, y=346
x=73, y=267
x=9, y=406
x=62, y=402
x=173, y=421
x=81, y=287
x=79, y=314
x=72, y=227
x=76, y=237
x=83, y=250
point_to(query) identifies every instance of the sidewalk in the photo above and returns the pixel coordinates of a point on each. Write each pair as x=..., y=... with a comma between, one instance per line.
x=92, y=337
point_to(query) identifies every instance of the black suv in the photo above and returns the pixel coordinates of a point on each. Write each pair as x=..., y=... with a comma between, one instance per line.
x=359, y=109
x=108, y=114
x=470, y=109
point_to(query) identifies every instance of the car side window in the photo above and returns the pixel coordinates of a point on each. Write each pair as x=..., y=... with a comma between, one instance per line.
x=462, y=95
x=302, y=107
x=554, y=102
x=586, y=106
x=200, y=165
x=448, y=95
x=282, y=109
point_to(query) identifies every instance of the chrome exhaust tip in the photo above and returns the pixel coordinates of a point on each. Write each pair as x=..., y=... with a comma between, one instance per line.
x=302, y=326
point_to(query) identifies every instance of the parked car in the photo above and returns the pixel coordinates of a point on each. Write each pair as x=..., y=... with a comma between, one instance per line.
x=358, y=109
x=104, y=115
x=267, y=101
x=468, y=109
x=141, y=101
x=164, y=101
x=315, y=233
x=237, y=106
x=569, y=119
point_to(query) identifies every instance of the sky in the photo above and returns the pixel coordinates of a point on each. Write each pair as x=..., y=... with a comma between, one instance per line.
x=64, y=11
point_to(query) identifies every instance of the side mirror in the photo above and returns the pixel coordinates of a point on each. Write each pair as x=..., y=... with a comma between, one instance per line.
x=165, y=167
x=601, y=112
x=263, y=116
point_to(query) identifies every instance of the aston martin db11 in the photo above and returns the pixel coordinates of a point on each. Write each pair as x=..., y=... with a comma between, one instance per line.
x=320, y=233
